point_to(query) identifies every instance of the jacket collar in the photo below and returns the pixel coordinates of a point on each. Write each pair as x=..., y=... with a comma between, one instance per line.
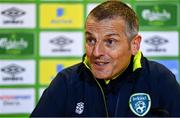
x=136, y=63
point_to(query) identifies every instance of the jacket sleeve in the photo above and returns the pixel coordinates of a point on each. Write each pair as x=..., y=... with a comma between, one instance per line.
x=53, y=99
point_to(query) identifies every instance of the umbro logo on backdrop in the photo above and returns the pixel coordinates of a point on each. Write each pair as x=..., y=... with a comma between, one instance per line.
x=13, y=70
x=61, y=42
x=156, y=41
x=13, y=13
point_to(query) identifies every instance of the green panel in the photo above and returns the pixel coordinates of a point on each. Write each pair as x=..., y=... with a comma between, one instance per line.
x=157, y=15
x=17, y=43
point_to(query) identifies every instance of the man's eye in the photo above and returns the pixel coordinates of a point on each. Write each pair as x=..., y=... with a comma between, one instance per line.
x=91, y=41
x=110, y=42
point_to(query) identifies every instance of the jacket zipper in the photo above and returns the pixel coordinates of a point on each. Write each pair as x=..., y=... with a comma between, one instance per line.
x=104, y=99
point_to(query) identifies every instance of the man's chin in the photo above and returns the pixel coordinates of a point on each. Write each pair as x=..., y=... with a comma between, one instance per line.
x=101, y=74
x=102, y=77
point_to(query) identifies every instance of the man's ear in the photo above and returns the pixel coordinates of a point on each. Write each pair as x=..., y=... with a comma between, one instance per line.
x=135, y=44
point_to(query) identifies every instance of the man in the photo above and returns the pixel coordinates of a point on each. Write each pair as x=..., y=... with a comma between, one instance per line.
x=114, y=79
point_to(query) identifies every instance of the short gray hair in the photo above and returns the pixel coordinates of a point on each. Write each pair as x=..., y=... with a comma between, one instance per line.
x=113, y=9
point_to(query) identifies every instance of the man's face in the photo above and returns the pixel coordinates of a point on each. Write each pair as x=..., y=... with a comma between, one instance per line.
x=107, y=48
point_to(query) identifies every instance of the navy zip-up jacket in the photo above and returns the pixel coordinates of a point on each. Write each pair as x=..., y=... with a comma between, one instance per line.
x=149, y=90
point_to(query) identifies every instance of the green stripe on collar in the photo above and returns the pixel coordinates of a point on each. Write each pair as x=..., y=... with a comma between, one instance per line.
x=86, y=63
x=137, y=61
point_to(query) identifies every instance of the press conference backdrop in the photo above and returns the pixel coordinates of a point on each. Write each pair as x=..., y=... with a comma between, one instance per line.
x=38, y=38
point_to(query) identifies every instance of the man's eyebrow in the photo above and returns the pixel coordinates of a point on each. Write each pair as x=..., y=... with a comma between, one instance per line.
x=113, y=34
x=88, y=33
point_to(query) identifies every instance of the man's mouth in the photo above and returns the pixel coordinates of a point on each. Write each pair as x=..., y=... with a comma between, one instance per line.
x=100, y=63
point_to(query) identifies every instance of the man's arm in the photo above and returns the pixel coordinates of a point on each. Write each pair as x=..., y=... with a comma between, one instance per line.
x=52, y=102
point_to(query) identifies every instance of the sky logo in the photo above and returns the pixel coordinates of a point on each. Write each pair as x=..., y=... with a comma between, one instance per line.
x=60, y=12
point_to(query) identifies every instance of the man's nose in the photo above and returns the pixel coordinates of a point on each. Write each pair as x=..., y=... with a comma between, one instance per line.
x=98, y=49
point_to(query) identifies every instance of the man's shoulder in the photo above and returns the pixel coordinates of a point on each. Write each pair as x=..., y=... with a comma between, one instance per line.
x=72, y=68
x=70, y=74
x=158, y=68
x=158, y=77
x=158, y=71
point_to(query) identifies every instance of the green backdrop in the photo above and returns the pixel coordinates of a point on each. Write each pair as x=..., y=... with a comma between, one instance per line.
x=38, y=38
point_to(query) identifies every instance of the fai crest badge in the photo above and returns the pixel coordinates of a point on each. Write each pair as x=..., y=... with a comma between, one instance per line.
x=140, y=103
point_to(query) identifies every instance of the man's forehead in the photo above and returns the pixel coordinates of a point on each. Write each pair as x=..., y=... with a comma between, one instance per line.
x=105, y=25
x=106, y=33
x=92, y=18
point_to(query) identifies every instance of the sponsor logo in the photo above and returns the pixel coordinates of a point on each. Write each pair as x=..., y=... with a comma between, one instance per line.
x=50, y=68
x=13, y=100
x=16, y=43
x=12, y=70
x=160, y=43
x=79, y=108
x=61, y=42
x=16, y=100
x=17, y=72
x=60, y=12
x=13, y=13
x=149, y=15
x=61, y=15
x=9, y=44
x=156, y=41
x=158, y=15
x=140, y=103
